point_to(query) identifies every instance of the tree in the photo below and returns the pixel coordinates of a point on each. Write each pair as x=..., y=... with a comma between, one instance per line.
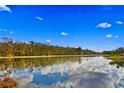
x=31, y=48
x=79, y=51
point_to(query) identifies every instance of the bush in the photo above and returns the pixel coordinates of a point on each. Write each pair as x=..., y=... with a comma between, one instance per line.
x=8, y=82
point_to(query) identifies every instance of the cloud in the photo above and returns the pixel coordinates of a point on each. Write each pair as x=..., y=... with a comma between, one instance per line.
x=5, y=30
x=104, y=25
x=112, y=36
x=64, y=33
x=11, y=32
x=5, y=8
x=119, y=22
x=116, y=36
x=39, y=18
x=109, y=36
x=48, y=40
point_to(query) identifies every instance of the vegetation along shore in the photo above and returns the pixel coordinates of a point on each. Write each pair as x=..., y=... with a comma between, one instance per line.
x=31, y=49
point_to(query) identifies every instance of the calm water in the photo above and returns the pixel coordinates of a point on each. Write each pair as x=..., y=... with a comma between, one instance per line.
x=79, y=72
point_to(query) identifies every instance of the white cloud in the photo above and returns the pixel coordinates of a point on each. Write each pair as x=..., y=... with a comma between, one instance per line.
x=11, y=32
x=48, y=40
x=39, y=18
x=104, y=25
x=5, y=8
x=109, y=36
x=116, y=36
x=119, y=22
x=64, y=33
x=5, y=30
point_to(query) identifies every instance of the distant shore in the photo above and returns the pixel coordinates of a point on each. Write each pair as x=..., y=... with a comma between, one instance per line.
x=49, y=56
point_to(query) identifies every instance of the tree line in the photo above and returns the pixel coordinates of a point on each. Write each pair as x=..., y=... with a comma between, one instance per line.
x=118, y=52
x=8, y=47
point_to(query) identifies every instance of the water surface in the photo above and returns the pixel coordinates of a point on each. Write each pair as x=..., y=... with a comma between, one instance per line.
x=78, y=72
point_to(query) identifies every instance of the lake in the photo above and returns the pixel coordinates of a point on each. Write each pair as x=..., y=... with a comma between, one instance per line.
x=64, y=72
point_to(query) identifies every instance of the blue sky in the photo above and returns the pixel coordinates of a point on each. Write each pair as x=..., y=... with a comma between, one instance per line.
x=94, y=27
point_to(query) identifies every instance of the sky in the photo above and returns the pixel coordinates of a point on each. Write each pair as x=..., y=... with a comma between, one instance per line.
x=93, y=27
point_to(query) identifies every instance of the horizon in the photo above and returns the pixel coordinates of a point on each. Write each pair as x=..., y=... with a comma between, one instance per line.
x=97, y=28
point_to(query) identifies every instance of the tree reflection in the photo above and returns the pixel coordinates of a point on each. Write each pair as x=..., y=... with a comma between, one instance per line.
x=14, y=64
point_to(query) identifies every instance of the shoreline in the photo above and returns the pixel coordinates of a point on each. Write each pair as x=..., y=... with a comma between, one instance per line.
x=50, y=56
x=115, y=57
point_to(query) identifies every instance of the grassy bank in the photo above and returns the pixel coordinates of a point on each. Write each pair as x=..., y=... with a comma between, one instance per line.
x=119, y=60
x=116, y=57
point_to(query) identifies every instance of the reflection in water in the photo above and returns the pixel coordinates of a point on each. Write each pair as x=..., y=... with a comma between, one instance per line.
x=49, y=79
x=33, y=63
x=64, y=72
